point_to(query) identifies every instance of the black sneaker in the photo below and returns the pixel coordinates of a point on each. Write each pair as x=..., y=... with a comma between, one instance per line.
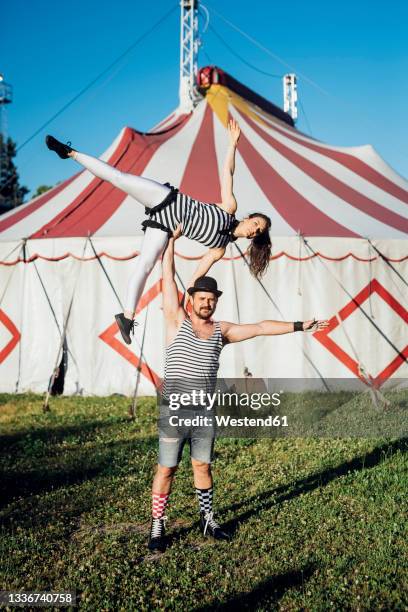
x=157, y=538
x=125, y=326
x=60, y=148
x=210, y=527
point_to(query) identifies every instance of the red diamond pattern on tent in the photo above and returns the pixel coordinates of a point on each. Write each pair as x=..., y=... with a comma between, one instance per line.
x=15, y=336
x=110, y=333
x=346, y=311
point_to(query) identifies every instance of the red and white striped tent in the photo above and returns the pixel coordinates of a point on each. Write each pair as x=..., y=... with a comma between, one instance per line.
x=339, y=231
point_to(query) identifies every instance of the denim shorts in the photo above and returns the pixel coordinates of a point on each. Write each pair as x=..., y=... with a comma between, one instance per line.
x=172, y=439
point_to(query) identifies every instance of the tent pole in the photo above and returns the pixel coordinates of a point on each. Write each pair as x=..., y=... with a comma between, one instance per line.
x=53, y=313
x=370, y=276
x=46, y=407
x=23, y=247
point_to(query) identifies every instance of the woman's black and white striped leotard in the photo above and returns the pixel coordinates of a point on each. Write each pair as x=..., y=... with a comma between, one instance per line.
x=192, y=362
x=206, y=223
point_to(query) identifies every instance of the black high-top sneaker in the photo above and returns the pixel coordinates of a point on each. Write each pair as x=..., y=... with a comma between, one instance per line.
x=210, y=527
x=157, y=538
x=60, y=148
x=125, y=326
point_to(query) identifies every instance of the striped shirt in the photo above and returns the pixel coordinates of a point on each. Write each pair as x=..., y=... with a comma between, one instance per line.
x=205, y=223
x=192, y=362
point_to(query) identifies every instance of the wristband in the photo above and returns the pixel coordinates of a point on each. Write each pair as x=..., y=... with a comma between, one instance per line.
x=298, y=326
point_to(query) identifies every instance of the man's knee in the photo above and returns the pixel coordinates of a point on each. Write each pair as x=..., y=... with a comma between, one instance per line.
x=200, y=466
x=164, y=471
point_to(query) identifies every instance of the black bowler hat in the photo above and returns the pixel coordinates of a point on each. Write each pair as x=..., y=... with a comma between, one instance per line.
x=205, y=283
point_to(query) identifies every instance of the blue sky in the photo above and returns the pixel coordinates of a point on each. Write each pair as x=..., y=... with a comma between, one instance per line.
x=355, y=51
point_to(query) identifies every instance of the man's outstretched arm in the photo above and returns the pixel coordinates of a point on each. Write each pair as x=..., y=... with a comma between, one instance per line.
x=233, y=332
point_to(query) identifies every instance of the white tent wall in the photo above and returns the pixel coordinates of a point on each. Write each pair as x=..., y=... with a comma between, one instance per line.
x=105, y=363
x=100, y=363
x=29, y=365
x=12, y=283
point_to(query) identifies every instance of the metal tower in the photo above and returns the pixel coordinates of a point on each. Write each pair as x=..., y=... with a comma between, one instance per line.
x=290, y=95
x=6, y=96
x=189, y=42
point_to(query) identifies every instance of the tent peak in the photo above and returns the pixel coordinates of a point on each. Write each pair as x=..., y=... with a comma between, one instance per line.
x=212, y=75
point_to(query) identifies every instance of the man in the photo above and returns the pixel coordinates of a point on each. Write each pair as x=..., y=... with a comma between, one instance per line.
x=193, y=346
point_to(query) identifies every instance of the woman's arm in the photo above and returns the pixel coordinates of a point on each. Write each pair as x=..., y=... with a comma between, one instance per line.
x=205, y=264
x=229, y=203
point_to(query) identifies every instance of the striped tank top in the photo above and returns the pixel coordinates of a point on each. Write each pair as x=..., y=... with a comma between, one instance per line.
x=192, y=362
x=205, y=223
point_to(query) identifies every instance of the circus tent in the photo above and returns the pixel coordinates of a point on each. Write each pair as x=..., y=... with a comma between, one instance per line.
x=339, y=233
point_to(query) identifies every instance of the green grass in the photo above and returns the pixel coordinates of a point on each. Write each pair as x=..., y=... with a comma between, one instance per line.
x=318, y=524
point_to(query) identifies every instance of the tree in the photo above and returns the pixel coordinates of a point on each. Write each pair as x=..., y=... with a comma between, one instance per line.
x=11, y=192
x=41, y=189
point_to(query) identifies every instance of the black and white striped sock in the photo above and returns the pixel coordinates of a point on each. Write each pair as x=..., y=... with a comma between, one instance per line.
x=205, y=497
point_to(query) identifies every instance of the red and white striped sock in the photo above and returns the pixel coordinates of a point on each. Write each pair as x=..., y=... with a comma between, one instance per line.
x=159, y=503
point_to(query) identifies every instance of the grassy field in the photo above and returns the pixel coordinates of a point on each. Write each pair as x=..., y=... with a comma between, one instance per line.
x=318, y=524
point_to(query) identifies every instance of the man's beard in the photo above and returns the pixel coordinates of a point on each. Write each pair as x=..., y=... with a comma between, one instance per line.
x=204, y=315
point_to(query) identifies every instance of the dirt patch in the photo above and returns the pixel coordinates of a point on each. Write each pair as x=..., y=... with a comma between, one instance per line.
x=151, y=557
x=117, y=528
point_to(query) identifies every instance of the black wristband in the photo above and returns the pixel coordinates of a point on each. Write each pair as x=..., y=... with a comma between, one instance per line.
x=298, y=326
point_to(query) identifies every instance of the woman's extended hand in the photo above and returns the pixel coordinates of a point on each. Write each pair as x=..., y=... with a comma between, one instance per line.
x=234, y=132
x=314, y=325
x=178, y=231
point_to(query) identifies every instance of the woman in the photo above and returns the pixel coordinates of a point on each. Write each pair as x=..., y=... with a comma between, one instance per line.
x=214, y=225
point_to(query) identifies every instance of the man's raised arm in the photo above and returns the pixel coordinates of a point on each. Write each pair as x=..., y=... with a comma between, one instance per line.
x=173, y=312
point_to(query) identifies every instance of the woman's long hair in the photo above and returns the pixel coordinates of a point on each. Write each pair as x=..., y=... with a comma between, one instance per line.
x=260, y=249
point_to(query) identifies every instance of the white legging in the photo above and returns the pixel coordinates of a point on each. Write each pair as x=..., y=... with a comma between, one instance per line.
x=147, y=192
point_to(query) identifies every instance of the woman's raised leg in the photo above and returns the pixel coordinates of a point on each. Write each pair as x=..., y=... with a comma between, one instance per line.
x=146, y=191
